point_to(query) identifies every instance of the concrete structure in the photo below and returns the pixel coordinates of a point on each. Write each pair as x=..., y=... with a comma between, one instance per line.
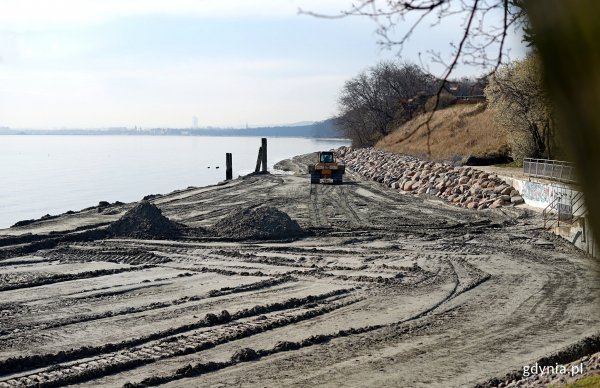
x=541, y=193
x=579, y=233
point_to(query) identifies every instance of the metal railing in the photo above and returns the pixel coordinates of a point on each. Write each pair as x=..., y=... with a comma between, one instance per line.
x=470, y=99
x=550, y=214
x=578, y=204
x=551, y=169
x=564, y=208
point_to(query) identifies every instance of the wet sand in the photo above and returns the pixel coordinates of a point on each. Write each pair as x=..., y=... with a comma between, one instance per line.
x=386, y=290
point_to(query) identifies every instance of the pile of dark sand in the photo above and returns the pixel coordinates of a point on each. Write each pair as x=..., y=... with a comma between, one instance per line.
x=263, y=223
x=145, y=221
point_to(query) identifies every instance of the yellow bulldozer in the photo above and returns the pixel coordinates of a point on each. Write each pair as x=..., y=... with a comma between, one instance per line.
x=326, y=169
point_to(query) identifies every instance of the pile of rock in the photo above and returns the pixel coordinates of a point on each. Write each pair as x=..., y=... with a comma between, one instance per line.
x=145, y=221
x=463, y=186
x=263, y=223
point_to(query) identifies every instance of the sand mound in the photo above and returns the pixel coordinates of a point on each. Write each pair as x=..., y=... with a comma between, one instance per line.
x=298, y=164
x=145, y=221
x=263, y=223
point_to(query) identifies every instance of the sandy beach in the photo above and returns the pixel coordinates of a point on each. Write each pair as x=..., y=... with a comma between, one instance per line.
x=380, y=289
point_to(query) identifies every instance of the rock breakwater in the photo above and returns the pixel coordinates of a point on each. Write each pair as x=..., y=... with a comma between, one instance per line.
x=462, y=186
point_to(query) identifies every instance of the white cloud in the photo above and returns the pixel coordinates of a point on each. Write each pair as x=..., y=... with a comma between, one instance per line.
x=34, y=15
x=77, y=78
x=221, y=93
x=63, y=79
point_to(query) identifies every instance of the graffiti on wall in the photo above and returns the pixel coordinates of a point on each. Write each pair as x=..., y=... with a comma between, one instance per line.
x=545, y=193
x=538, y=192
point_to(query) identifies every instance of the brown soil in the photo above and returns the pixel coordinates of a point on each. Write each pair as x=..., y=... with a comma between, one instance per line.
x=456, y=133
x=145, y=221
x=387, y=290
x=263, y=223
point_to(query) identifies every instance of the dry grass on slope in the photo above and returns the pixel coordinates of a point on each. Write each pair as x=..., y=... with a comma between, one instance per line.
x=461, y=130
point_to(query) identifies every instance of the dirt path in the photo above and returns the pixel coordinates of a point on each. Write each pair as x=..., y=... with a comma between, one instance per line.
x=389, y=290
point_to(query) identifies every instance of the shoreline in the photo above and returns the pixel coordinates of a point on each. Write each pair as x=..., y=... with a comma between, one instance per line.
x=294, y=165
x=53, y=175
x=383, y=282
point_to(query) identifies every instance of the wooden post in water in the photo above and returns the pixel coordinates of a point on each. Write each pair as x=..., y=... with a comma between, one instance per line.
x=258, y=160
x=228, y=166
x=264, y=154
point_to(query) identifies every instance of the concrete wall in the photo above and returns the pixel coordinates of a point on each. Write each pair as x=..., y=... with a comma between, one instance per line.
x=540, y=194
x=578, y=234
x=535, y=194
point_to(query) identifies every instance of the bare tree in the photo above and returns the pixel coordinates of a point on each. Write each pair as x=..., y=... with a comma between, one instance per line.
x=485, y=26
x=566, y=35
x=374, y=102
x=520, y=104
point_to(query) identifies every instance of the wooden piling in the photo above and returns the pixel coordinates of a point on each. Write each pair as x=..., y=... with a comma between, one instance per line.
x=258, y=160
x=264, y=154
x=228, y=166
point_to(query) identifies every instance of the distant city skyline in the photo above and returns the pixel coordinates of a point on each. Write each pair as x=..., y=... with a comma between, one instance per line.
x=156, y=63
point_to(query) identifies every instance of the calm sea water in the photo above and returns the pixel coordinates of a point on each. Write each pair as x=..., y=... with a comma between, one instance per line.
x=52, y=174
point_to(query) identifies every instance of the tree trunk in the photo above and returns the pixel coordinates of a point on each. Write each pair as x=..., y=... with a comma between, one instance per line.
x=566, y=35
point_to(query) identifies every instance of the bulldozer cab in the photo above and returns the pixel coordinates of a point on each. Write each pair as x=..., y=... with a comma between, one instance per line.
x=326, y=157
x=326, y=169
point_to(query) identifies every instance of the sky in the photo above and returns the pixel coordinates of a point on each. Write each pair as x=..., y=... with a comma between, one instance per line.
x=159, y=63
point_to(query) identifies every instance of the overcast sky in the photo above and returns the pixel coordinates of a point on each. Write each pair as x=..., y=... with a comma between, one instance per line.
x=151, y=63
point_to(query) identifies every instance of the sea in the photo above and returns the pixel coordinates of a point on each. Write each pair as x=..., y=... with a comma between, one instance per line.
x=42, y=175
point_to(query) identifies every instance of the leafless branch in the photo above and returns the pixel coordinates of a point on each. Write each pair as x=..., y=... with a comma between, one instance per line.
x=473, y=49
x=443, y=81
